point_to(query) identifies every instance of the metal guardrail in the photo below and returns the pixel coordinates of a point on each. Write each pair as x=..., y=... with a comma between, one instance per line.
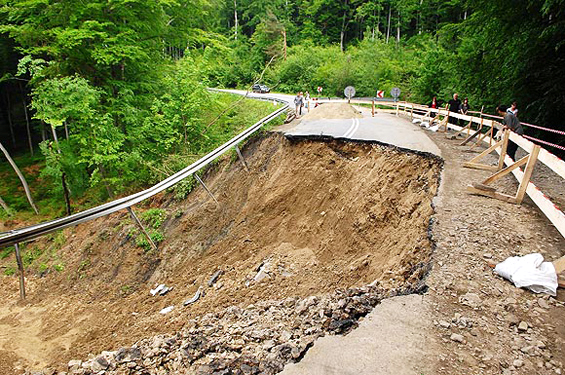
x=27, y=233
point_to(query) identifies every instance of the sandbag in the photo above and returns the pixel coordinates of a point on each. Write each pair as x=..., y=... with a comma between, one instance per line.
x=531, y=272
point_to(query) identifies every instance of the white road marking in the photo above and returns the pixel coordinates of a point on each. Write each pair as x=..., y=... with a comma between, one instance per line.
x=352, y=129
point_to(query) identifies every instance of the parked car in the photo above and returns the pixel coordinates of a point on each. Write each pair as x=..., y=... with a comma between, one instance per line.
x=260, y=88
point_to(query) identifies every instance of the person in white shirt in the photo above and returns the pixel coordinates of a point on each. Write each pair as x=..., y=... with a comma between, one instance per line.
x=513, y=109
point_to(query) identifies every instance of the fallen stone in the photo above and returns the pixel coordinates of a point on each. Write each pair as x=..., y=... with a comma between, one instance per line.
x=471, y=299
x=543, y=303
x=518, y=363
x=444, y=324
x=528, y=350
x=457, y=337
x=74, y=364
x=99, y=364
x=523, y=326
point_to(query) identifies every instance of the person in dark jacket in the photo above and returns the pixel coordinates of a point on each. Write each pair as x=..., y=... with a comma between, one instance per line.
x=464, y=109
x=454, y=106
x=510, y=122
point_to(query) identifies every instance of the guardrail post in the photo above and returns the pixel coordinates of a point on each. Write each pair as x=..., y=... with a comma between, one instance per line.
x=140, y=225
x=373, y=108
x=206, y=188
x=397, y=108
x=21, y=272
x=241, y=158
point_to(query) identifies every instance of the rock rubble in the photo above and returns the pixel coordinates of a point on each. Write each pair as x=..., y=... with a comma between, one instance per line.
x=259, y=339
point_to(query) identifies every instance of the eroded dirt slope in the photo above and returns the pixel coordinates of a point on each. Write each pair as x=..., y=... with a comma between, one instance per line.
x=319, y=215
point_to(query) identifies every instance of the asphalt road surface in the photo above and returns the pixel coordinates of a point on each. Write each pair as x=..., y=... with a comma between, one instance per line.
x=384, y=127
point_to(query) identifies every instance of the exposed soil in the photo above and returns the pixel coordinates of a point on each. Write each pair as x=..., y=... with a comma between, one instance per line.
x=333, y=111
x=322, y=214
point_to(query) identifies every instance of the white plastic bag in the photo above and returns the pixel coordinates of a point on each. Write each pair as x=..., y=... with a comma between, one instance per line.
x=529, y=271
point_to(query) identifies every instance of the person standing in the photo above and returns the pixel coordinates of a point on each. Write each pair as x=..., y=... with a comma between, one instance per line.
x=434, y=103
x=454, y=106
x=510, y=122
x=307, y=101
x=298, y=100
x=464, y=109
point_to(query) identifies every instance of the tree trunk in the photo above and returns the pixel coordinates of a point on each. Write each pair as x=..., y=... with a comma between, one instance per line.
x=21, y=176
x=66, y=193
x=342, y=35
x=43, y=135
x=10, y=124
x=398, y=28
x=284, y=42
x=5, y=206
x=27, y=120
x=379, y=22
x=66, y=131
x=388, y=26
x=235, y=17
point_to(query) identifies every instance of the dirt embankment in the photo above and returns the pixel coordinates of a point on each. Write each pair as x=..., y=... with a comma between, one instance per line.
x=322, y=215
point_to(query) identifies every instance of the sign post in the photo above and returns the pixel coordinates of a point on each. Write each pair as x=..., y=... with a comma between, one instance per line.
x=349, y=93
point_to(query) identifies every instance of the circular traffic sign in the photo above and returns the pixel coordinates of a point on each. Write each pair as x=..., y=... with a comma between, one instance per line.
x=349, y=92
x=395, y=92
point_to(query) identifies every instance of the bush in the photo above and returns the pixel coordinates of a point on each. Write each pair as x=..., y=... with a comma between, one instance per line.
x=156, y=236
x=154, y=217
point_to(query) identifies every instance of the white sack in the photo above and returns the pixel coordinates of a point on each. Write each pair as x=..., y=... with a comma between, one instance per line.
x=529, y=271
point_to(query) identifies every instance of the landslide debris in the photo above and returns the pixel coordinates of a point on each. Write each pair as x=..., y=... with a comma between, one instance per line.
x=313, y=216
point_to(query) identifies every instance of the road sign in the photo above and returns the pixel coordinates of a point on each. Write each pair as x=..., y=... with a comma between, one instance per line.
x=395, y=92
x=320, y=89
x=349, y=92
x=380, y=94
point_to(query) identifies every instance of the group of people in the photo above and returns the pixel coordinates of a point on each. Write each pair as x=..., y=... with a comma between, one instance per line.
x=454, y=105
x=300, y=101
x=508, y=113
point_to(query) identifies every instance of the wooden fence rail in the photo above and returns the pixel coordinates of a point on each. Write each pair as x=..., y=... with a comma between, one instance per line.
x=550, y=210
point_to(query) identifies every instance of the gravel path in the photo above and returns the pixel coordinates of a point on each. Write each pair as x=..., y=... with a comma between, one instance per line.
x=481, y=319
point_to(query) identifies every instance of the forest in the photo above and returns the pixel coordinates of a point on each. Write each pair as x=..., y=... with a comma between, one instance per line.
x=100, y=98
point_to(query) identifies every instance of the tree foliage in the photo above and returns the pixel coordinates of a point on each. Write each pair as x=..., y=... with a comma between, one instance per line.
x=122, y=82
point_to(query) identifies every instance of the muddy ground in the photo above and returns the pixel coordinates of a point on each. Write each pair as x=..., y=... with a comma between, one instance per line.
x=323, y=215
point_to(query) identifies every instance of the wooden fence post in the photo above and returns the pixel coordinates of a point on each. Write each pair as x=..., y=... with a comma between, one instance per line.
x=373, y=108
x=527, y=174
